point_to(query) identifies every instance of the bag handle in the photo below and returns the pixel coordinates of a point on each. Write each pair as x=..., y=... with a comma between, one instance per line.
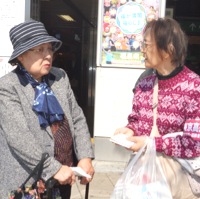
x=154, y=130
x=38, y=169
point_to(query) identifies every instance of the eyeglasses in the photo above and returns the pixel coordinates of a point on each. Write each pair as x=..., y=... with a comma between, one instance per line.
x=43, y=51
x=144, y=45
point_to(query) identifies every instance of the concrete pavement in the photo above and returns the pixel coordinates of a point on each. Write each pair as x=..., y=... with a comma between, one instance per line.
x=102, y=185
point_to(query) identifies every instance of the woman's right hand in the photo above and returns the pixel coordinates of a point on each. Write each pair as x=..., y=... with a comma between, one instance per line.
x=65, y=175
x=124, y=130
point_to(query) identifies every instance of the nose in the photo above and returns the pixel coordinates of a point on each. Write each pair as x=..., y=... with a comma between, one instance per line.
x=142, y=50
x=48, y=53
x=48, y=56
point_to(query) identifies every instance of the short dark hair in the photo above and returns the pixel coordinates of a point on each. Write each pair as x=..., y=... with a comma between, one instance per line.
x=169, y=37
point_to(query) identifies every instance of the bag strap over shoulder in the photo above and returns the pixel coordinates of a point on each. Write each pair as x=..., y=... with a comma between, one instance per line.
x=154, y=131
x=37, y=170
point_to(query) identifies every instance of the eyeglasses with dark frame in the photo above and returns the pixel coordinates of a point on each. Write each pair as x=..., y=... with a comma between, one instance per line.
x=144, y=45
x=43, y=51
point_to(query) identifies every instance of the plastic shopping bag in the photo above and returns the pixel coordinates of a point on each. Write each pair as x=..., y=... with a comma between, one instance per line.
x=143, y=178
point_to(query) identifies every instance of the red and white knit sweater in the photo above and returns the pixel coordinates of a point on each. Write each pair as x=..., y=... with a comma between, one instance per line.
x=178, y=100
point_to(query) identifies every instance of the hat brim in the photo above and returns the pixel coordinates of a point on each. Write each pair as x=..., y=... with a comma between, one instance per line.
x=36, y=41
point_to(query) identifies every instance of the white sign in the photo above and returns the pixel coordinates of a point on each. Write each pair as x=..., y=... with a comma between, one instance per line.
x=5, y=67
x=12, y=12
x=113, y=102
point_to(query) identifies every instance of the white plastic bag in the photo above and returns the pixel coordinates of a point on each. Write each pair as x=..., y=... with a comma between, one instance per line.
x=143, y=178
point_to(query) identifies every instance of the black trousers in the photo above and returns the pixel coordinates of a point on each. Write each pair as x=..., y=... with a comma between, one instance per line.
x=65, y=191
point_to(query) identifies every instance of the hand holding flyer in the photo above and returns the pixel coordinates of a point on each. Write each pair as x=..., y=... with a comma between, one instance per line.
x=121, y=140
x=80, y=172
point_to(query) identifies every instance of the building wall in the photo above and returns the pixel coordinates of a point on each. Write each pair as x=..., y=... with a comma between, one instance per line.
x=12, y=12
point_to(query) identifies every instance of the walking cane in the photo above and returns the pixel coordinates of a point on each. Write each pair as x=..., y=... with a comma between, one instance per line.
x=49, y=185
x=87, y=190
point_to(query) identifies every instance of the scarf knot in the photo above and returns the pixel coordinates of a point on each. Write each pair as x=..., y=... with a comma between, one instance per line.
x=45, y=103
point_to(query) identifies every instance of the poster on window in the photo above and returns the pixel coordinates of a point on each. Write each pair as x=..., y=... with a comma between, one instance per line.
x=121, y=24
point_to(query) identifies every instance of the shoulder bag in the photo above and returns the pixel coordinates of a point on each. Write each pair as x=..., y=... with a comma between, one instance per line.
x=30, y=192
x=182, y=167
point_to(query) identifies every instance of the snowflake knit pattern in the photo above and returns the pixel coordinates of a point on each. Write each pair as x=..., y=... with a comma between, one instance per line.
x=178, y=101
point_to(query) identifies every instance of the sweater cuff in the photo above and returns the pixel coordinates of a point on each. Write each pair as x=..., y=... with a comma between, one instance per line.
x=130, y=127
x=159, y=142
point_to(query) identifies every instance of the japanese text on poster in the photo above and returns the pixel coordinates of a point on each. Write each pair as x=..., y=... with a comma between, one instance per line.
x=122, y=27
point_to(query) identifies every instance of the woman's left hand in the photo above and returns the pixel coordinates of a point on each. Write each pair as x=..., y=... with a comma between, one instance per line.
x=86, y=165
x=139, y=142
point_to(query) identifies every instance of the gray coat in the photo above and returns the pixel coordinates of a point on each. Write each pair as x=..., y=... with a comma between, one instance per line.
x=22, y=141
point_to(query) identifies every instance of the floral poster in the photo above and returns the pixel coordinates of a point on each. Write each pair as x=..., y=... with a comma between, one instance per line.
x=123, y=22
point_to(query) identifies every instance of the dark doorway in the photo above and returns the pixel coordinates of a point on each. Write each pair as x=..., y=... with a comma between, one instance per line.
x=188, y=15
x=75, y=25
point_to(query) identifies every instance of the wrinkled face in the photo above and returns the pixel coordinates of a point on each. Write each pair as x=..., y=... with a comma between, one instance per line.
x=38, y=60
x=152, y=57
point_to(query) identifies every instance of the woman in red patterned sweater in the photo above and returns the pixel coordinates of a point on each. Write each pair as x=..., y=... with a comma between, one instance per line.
x=164, y=49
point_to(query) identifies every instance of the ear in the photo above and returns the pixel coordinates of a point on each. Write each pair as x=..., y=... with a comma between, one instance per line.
x=165, y=55
x=170, y=48
x=20, y=58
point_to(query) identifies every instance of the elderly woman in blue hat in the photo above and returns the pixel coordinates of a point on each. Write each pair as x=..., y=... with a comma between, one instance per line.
x=39, y=114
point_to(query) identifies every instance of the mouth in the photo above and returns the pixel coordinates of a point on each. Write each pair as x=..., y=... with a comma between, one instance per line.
x=145, y=58
x=47, y=65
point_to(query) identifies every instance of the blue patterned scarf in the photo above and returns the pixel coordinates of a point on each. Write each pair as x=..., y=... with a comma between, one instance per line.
x=45, y=103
